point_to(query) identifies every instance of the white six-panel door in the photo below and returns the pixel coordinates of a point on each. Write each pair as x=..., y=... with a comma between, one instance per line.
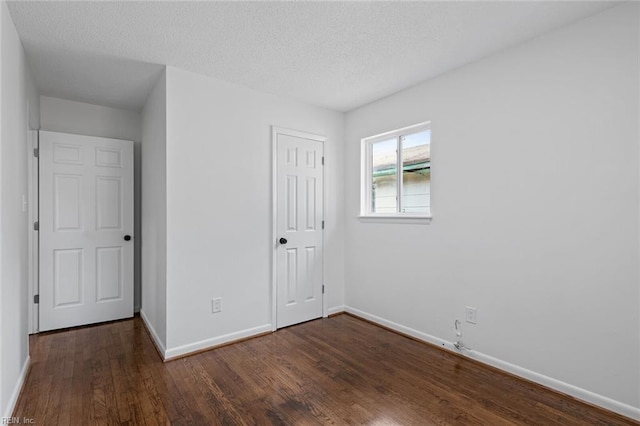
x=299, y=215
x=86, y=230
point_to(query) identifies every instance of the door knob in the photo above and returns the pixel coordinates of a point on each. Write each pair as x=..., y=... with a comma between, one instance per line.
x=127, y=237
x=283, y=241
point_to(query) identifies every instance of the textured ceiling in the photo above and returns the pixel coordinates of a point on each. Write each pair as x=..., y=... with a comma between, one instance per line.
x=338, y=55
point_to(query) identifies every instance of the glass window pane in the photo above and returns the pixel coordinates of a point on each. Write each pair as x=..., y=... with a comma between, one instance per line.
x=384, y=185
x=416, y=172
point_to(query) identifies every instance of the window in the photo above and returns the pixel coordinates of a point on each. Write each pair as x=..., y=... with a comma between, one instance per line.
x=397, y=173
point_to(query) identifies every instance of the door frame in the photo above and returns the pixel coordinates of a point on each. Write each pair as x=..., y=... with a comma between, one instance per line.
x=33, y=244
x=275, y=131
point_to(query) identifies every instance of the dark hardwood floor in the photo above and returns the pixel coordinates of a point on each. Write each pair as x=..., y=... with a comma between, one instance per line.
x=333, y=371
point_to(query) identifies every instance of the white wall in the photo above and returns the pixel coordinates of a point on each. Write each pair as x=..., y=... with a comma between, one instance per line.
x=61, y=115
x=219, y=213
x=4, y=405
x=535, y=205
x=2, y=397
x=14, y=76
x=154, y=212
x=33, y=98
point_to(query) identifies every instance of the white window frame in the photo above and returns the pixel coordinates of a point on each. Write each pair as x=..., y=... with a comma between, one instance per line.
x=367, y=175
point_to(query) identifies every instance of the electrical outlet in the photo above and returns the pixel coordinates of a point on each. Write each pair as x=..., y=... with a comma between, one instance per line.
x=472, y=315
x=216, y=305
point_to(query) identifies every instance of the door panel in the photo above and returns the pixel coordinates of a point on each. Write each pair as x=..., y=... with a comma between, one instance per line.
x=310, y=200
x=292, y=204
x=66, y=154
x=68, y=267
x=67, y=197
x=86, y=208
x=292, y=276
x=109, y=203
x=109, y=273
x=299, y=213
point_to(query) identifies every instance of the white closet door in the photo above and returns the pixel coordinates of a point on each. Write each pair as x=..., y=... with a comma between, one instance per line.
x=86, y=230
x=299, y=245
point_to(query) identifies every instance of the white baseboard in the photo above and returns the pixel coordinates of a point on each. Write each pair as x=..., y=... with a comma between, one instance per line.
x=566, y=388
x=216, y=341
x=17, y=388
x=401, y=328
x=335, y=310
x=154, y=335
x=560, y=386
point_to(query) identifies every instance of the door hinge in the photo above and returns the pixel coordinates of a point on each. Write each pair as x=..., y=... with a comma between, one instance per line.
x=36, y=298
x=36, y=226
x=323, y=224
x=323, y=161
x=36, y=152
x=322, y=288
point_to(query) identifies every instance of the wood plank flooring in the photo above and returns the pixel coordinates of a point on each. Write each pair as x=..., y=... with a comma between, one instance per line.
x=340, y=371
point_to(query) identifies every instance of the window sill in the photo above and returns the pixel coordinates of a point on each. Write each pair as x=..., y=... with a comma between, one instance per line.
x=424, y=220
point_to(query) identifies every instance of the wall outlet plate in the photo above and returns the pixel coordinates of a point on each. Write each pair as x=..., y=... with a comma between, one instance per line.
x=472, y=315
x=216, y=305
